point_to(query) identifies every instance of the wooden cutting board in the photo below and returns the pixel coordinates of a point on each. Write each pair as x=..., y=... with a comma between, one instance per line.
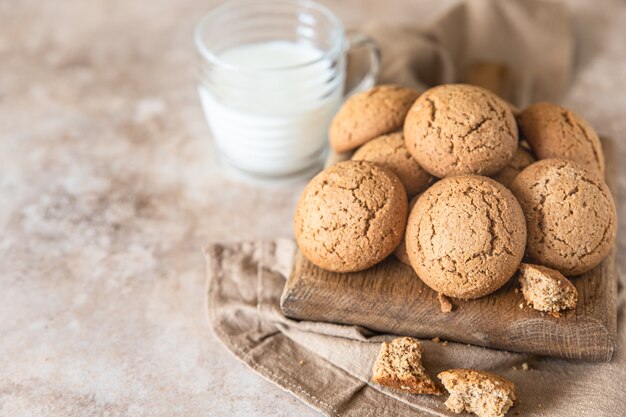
x=390, y=298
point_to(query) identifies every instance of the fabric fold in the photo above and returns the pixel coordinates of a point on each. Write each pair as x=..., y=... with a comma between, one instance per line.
x=528, y=42
x=328, y=366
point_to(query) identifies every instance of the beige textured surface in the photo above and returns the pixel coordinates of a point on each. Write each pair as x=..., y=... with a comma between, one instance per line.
x=556, y=132
x=466, y=236
x=369, y=114
x=460, y=129
x=109, y=188
x=570, y=214
x=350, y=216
x=391, y=152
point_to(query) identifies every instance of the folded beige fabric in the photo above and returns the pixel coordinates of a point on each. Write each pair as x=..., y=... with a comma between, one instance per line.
x=530, y=39
x=328, y=366
x=521, y=47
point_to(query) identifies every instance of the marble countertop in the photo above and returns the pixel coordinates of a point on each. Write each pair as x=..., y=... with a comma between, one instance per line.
x=109, y=189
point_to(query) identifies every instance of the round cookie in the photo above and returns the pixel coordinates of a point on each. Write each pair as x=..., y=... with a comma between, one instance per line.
x=521, y=159
x=458, y=129
x=570, y=215
x=390, y=151
x=370, y=114
x=350, y=216
x=465, y=236
x=555, y=132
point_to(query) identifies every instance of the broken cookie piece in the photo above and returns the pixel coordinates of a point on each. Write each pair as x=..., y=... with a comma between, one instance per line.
x=399, y=366
x=546, y=289
x=478, y=392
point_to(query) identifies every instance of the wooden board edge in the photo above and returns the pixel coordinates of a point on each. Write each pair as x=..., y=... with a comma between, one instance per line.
x=605, y=332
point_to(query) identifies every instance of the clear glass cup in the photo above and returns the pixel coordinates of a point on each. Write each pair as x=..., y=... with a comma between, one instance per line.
x=272, y=76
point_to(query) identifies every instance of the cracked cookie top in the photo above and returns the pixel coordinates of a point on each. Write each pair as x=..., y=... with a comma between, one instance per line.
x=351, y=216
x=390, y=151
x=366, y=115
x=460, y=129
x=570, y=215
x=555, y=132
x=466, y=236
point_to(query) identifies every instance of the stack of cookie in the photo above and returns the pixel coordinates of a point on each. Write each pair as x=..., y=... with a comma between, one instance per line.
x=486, y=188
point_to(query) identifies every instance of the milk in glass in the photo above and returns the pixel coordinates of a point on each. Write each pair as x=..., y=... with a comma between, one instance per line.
x=269, y=106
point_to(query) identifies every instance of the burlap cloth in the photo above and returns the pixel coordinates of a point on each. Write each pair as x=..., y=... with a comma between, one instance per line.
x=328, y=366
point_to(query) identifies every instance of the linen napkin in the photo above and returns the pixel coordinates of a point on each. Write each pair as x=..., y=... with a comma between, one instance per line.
x=524, y=50
x=328, y=366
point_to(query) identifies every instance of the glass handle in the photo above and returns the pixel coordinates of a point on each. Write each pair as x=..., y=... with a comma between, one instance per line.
x=358, y=40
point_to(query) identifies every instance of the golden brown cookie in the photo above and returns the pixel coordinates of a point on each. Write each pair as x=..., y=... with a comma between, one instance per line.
x=556, y=132
x=400, y=251
x=465, y=236
x=521, y=159
x=478, y=392
x=390, y=151
x=350, y=216
x=367, y=115
x=460, y=129
x=399, y=366
x=570, y=215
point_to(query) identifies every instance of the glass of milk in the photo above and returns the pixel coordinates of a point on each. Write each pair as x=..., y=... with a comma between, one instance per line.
x=272, y=76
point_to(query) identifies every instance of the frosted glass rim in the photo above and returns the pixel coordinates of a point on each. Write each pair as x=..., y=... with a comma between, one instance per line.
x=338, y=35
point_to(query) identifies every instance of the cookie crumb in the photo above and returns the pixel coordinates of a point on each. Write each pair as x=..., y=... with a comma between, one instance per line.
x=525, y=366
x=436, y=339
x=301, y=363
x=444, y=303
x=445, y=343
x=521, y=305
